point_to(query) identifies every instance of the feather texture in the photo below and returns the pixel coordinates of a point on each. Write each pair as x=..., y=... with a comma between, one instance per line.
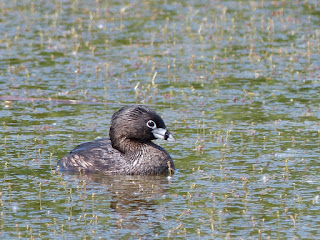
x=129, y=150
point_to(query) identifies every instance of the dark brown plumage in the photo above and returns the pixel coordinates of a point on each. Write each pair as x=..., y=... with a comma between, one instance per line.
x=129, y=150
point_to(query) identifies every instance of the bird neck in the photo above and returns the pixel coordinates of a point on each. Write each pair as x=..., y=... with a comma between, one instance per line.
x=129, y=146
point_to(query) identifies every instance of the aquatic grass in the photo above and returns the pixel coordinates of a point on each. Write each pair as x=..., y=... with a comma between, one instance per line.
x=232, y=79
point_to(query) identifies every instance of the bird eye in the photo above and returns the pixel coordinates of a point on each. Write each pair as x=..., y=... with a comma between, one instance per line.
x=151, y=124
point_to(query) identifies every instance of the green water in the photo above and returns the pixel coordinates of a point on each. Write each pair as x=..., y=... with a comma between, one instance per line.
x=237, y=83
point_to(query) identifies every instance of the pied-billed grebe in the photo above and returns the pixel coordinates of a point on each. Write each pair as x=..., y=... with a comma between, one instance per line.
x=129, y=149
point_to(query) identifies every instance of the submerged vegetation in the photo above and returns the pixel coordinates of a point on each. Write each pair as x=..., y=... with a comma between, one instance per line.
x=237, y=82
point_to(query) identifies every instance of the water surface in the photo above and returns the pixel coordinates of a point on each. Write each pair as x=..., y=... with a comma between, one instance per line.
x=236, y=82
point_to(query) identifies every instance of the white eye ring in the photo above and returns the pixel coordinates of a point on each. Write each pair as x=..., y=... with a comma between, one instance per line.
x=151, y=124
